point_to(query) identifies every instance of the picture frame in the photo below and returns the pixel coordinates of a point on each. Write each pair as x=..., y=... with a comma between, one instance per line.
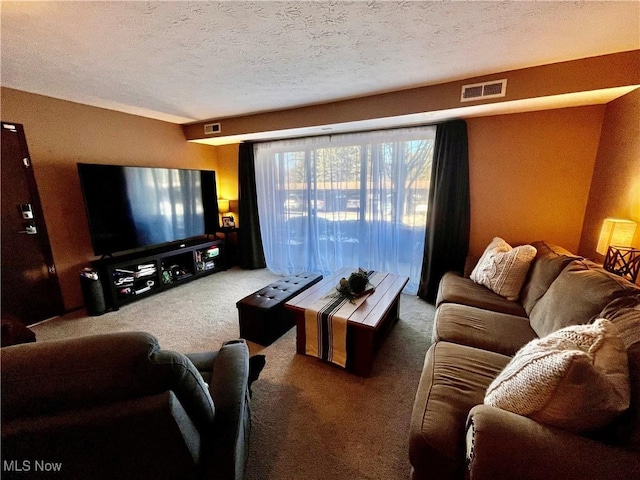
x=228, y=222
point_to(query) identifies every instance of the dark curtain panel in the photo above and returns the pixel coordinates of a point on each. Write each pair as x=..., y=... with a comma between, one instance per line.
x=249, y=239
x=447, y=237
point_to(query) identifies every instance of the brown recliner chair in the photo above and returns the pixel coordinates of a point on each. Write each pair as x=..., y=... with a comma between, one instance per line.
x=117, y=406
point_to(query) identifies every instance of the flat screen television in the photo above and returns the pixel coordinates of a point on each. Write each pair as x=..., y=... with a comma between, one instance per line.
x=130, y=208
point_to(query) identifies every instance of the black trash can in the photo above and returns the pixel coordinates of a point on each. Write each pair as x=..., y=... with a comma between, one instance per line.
x=92, y=292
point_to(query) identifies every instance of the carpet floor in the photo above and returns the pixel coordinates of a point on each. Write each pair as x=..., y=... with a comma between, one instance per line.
x=311, y=420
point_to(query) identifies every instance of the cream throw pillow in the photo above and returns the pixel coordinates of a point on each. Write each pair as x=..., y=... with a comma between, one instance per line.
x=576, y=378
x=503, y=269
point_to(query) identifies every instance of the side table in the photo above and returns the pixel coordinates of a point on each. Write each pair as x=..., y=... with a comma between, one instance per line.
x=229, y=259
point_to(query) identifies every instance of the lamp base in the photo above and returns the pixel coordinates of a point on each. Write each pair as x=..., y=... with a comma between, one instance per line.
x=623, y=261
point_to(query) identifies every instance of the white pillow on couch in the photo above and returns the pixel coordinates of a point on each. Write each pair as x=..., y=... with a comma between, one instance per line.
x=576, y=378
x=503, y=269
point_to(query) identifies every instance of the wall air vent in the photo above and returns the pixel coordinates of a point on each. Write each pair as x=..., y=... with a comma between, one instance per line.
x=211, y=128
x=477, y=91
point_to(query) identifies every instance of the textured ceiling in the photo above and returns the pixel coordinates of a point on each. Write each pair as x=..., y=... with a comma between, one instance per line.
x=188, y=61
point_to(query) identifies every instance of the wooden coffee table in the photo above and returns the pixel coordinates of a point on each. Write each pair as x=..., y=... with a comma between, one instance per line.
x=366, y=327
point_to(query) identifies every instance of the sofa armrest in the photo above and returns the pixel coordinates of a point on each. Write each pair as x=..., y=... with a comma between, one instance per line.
x=503, y=445
x=229, y=389
x=230, y=375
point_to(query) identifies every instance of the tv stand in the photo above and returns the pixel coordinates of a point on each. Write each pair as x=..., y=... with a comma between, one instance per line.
x=130, y=277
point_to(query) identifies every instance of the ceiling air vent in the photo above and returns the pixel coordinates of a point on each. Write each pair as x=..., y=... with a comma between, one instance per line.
x=211, y=128
x=476, y=91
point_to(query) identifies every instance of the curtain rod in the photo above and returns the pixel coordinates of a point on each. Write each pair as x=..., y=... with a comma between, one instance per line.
x=350, y=132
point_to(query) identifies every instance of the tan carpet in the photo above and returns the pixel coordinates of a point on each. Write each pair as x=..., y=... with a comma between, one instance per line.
x=311, y=420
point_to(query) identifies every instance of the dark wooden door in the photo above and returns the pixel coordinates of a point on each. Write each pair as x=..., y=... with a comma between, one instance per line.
x=30, y=287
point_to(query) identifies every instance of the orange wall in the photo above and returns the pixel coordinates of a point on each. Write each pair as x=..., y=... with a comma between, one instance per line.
x=530, y=175
x=227, y=173
x=615, y=189
x=61, y=134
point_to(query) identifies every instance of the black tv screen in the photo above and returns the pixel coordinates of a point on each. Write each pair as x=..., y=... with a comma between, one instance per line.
x=135, y=207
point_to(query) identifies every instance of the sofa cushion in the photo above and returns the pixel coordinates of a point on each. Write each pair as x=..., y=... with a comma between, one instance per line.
x=549, y=262
x=624, y=313
x=454, y=288
x=503, y=269
x=476, y=327
x=454, y=379
x=204, y=362
x=576, y=378
x=52, y=376
x=577, y=296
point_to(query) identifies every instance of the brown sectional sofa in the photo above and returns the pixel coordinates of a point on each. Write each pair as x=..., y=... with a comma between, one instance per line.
x=453, y=435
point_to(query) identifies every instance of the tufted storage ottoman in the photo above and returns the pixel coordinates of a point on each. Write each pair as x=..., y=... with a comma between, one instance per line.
x=262, y=316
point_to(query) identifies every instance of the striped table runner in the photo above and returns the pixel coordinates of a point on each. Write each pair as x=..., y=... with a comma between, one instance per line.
x=326, y=324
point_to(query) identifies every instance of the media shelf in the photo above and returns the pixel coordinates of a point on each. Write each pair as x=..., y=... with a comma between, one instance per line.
x=128, y=278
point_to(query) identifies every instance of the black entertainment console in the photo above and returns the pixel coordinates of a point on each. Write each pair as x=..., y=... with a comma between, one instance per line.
x=130, y=277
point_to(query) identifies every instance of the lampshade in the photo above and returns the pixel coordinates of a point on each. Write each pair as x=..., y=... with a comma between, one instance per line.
x=617, y=232
x=223, y=205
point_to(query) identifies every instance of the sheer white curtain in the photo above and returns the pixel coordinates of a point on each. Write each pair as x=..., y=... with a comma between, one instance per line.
x=351, y=200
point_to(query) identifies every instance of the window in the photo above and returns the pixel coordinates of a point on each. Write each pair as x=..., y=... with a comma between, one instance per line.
x=355, y=200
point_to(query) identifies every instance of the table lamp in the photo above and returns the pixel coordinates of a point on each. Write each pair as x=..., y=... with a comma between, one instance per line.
x=224, y=208
x=615, y=242
x=223, y=205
